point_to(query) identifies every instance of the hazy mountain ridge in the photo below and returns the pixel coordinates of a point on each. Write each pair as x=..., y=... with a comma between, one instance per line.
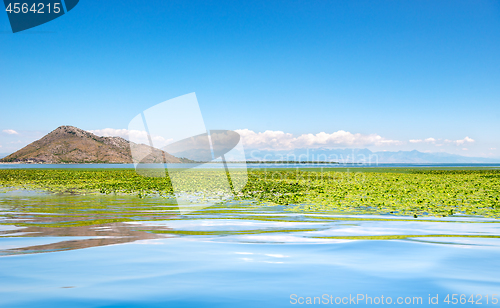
x=363, y=156
x=69, y=144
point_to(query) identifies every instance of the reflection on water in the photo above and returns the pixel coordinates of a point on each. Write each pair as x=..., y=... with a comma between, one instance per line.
x=67, y=222
x=60, y=251
x=76, y=221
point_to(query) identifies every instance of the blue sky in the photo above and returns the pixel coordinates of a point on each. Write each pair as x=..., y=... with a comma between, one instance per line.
x=400, y=70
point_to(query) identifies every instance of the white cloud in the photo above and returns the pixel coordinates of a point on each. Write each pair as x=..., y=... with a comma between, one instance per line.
x=461, y=141
x=466, y=139
x=10, y=132
x=111, y=132
x=278, y=140
x=428, y=140
x=434, y=140
x=133, y=135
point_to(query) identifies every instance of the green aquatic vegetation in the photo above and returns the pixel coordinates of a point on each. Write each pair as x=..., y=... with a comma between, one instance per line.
x=108, y=181
x=413, y=192
x=84, y=181
x=407, y=192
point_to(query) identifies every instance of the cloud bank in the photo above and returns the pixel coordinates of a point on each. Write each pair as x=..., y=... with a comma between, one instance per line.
x=439, y=142
x=278, y=140
x=135, y=135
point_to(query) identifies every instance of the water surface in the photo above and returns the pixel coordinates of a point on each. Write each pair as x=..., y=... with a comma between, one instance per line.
x=124, y=251
x=257, y=166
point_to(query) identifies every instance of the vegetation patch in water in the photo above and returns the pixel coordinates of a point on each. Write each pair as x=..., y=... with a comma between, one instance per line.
x=408, y=192
x=413, y=192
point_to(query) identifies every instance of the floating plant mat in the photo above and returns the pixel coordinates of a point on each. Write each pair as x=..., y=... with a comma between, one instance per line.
x=398, y=191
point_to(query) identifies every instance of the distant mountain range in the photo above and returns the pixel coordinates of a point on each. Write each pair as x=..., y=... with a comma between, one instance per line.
x=362, y=156
x=68, y=144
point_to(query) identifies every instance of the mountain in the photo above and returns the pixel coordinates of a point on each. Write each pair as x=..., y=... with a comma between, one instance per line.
x=68, y=144
x=419, y=157
x=363, y=156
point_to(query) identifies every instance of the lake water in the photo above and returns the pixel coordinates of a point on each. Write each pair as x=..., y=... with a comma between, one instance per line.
x=251, y=166
x=122, y=251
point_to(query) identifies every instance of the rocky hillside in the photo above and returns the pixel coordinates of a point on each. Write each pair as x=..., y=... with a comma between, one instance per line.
x=68, y=144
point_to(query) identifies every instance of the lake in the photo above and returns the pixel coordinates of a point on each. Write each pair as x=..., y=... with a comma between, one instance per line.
x=252, y=165
x=61, y=250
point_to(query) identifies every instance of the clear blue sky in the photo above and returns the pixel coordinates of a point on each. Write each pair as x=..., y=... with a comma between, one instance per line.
x=399, y=69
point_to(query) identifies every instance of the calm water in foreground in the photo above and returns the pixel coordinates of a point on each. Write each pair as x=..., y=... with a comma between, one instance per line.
x=122, y=251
